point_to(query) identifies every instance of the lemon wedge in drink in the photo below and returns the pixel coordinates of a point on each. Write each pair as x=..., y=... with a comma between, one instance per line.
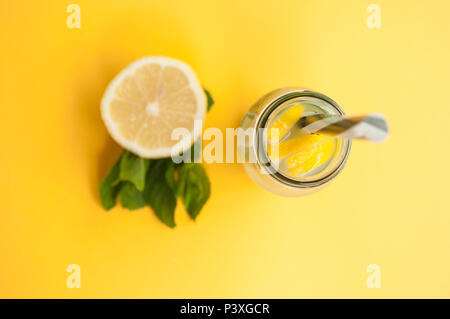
x=148, y=100
x=302, y=154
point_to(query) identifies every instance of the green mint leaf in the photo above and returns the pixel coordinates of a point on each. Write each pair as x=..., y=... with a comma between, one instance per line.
x=159, y=194
x=209, y=98
x=108, y=189
x=133, y=169
x=194, y=187
x=130, y=196
x=192, y=154
x=181, y=182
x=195, y=151
x=170, y=175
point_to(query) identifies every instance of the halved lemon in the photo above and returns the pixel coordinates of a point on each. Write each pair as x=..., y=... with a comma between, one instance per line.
x=148, y=100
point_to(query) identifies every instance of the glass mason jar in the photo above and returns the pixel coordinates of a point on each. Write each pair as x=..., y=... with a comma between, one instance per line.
x=253, y=152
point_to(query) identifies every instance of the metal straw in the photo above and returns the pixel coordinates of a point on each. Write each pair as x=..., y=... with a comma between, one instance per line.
x=372, y=127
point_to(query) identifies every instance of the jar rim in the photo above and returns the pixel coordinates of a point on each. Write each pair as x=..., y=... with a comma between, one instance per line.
x=262, y=157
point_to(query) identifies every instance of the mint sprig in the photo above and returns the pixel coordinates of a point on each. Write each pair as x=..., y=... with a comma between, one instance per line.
x=157, y=183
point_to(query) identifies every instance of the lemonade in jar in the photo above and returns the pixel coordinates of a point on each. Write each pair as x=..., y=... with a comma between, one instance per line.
x=299, y=165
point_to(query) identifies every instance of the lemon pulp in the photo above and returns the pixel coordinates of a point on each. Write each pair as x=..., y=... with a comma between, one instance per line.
x=302, y=156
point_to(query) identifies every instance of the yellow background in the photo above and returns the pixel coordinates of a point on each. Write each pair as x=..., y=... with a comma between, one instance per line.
x=390, y=206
